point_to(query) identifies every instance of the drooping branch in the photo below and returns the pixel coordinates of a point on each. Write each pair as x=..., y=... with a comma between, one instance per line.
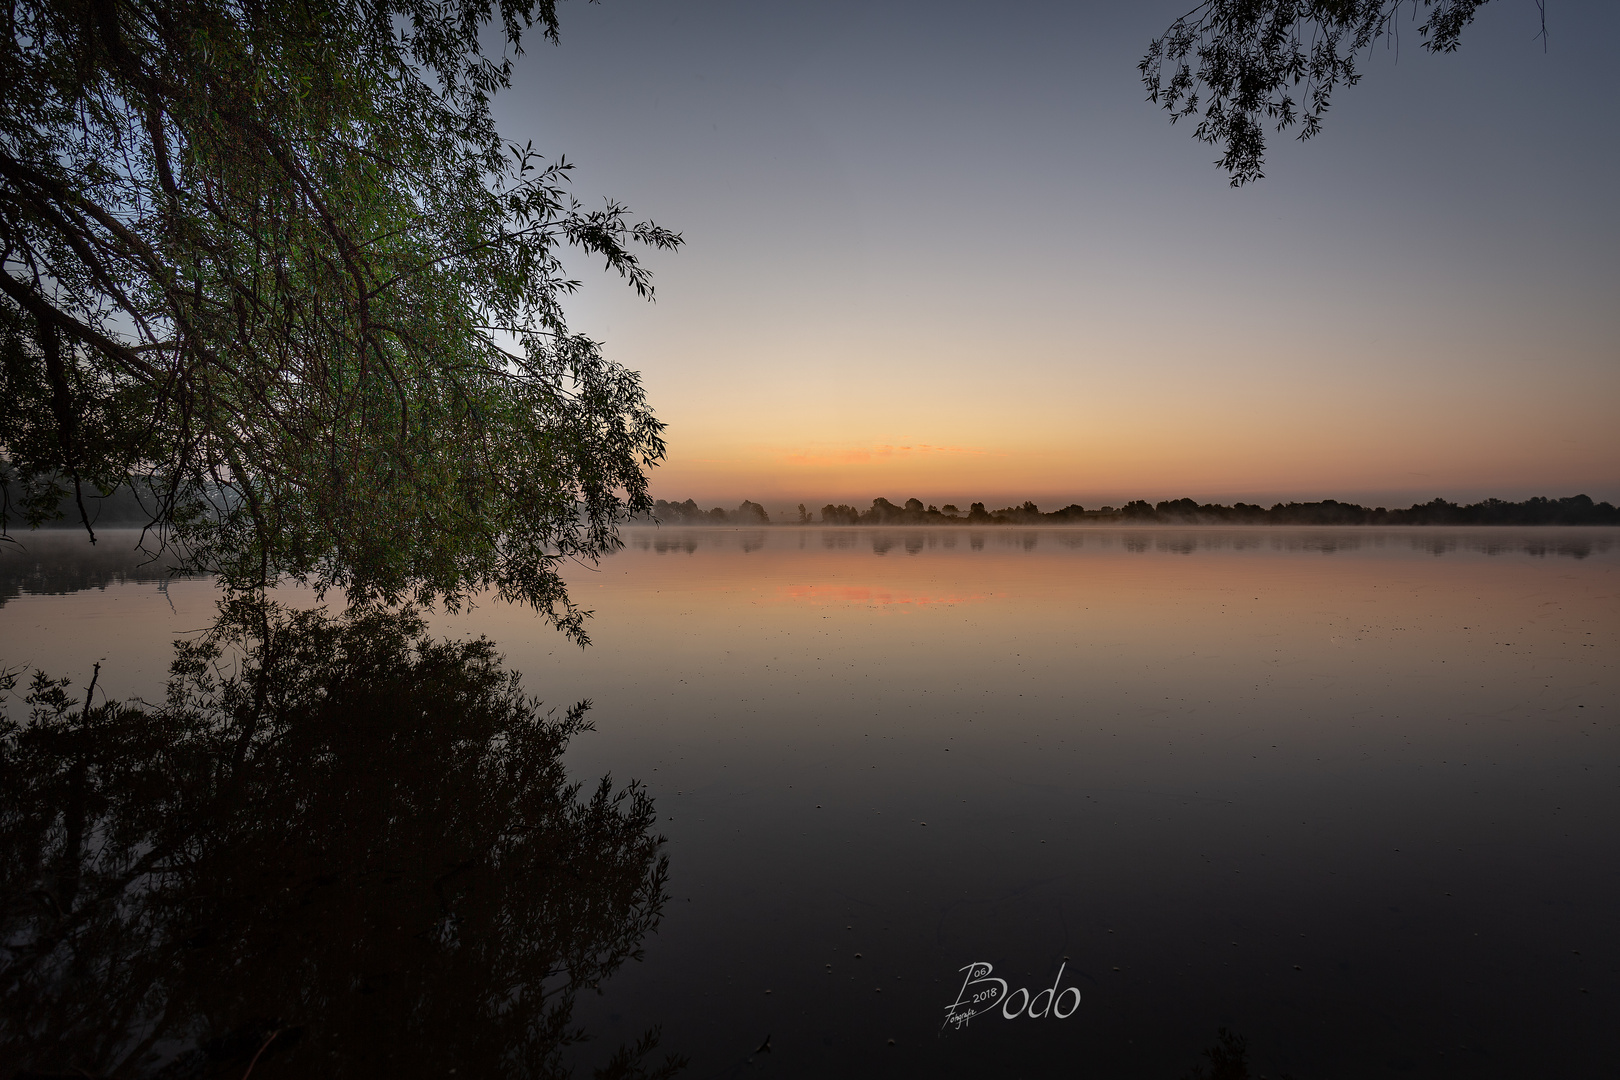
x=271, y=252
x=1253, y=56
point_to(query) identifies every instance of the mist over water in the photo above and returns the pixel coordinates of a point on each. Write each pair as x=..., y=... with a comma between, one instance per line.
x=1573, y=542
x=1349, y=793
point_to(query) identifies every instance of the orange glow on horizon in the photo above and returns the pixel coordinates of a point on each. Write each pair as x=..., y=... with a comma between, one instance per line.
x=1224, y=446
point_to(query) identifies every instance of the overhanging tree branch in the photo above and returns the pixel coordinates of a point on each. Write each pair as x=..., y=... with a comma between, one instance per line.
x=273, y=250
x=1253, y=56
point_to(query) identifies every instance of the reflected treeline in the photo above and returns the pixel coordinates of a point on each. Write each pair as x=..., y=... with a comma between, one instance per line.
x=1575, y=544
x=1227, y=1059
x=339, y=848
x=689, y=542
x=56, y=561
x=65, y=562
x=1575, y=510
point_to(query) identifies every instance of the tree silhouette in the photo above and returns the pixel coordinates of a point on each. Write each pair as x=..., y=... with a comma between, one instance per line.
x=1253, y=56
x=274, y=268
x=1228, y=1059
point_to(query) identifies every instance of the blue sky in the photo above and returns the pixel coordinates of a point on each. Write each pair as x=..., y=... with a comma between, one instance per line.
x=951, y=251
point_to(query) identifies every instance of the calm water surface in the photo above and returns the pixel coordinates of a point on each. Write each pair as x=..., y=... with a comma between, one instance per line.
x=1351, y=794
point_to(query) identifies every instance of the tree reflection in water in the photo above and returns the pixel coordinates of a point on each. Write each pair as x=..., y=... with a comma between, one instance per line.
x=341, y=848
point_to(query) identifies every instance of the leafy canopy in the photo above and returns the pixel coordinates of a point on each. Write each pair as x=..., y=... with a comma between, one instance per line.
x=1253, y=56
x=273, y=266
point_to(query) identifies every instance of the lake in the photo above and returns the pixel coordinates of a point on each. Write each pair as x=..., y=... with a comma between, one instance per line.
x=1038, y=802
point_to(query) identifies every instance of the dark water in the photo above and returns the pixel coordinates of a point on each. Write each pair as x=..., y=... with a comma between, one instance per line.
x=1350, y=794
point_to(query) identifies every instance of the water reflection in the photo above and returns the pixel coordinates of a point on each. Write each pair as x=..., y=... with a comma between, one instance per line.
x=54, y=562
x=58, y=562
x=1322, y=787
x=339, y=848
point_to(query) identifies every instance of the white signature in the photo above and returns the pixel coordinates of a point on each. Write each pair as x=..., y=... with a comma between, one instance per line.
x=983, y=992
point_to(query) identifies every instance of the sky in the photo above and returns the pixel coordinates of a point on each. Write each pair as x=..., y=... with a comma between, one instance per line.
x=950, y=252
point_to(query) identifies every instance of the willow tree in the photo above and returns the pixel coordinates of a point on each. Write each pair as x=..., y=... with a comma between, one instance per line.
x=273, y=266
x=1236, y=66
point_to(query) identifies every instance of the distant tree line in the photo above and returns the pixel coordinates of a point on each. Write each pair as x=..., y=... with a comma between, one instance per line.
x=123, y=508
x=689, y=513
x=1575, y=510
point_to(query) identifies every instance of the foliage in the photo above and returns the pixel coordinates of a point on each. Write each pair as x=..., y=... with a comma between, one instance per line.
x=273, y=266
x=1228, y=1058
x=1253, y=56
x=341, y=848
x=689, y=513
